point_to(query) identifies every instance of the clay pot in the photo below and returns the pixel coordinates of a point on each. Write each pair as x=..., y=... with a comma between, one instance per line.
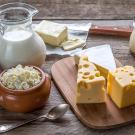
x=25, y=100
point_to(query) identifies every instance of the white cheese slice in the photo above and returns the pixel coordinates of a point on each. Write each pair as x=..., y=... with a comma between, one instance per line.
x=101, y=55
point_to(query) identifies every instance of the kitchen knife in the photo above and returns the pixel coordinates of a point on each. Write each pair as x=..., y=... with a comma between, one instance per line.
x=110, y=30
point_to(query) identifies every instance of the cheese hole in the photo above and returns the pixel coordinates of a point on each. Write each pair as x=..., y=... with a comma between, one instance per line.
x=95, y=69
x=85, y=58
x=86, y=73
x=80, y=72
x=122, y=69
x=133, y=80
x=91, y=77
x=119, y=78
x=97, y=74
x=80, y=66
x=86, y=65
x=131, y=74
x=85, y=77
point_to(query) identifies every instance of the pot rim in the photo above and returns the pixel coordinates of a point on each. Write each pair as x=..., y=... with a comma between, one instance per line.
x=43, y=79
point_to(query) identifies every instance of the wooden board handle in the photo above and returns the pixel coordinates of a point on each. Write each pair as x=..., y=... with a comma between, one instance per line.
x=111, y=30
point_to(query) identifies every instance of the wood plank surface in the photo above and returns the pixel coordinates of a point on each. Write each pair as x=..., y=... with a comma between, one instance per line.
x=82, y=9
x=78, y=9
x=69, y=124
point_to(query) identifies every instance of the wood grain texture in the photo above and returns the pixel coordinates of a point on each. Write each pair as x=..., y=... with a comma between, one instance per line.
x=82, y=9
x=69, y=124
x=110, y=30
x=97, y=116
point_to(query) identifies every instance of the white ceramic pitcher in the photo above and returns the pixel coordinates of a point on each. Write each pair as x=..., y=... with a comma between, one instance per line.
x=19, y=44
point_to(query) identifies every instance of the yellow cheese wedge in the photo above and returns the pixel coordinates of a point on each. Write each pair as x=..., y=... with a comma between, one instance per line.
x=101, y=56
x=121, y=86
x=90, y=84
x=103, y=71
x=52, y=33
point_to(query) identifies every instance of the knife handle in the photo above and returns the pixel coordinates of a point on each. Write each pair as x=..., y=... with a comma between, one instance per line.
x=111, y=30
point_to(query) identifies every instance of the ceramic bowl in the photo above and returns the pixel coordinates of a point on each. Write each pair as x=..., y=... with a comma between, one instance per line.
x=25, y=100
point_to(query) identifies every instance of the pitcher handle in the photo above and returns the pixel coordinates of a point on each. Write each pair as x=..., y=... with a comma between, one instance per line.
x=2, y=29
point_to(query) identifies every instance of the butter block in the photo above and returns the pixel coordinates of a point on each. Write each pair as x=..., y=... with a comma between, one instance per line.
x=90, y=84
x=71, y=44
x=121, y=86
x=52, y=33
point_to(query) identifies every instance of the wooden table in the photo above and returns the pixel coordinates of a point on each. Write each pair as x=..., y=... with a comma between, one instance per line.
x=68, y=11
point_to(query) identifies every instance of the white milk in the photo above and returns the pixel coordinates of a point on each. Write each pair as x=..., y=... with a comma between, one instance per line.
x=21, y=47
x=17, y=35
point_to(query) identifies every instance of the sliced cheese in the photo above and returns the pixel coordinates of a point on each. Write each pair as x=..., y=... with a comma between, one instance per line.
x=52, y=33
x=71, y=44
x=90, y=84
x=121, y=86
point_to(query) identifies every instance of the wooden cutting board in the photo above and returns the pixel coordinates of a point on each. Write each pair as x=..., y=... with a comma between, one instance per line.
x=97, y=116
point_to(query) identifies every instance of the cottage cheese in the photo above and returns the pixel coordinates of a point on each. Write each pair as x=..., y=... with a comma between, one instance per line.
x=21, y=78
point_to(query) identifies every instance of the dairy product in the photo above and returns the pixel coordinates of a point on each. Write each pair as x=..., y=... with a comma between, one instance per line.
x=72, y=44
x=103, y=71
x=21, y=78
x=52, y=33
x=90, y=84
x=101, y=56
x=17, y=35
x=121, y=86
x=21, y=47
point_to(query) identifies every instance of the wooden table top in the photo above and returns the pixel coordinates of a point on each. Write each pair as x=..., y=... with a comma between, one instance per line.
x=69, y=11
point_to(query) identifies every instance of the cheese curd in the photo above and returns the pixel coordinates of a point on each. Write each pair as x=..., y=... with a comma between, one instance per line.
x=21, y=78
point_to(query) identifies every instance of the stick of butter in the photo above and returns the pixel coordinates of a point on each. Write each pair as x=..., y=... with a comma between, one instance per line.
x=71, y=44
x=52, y=33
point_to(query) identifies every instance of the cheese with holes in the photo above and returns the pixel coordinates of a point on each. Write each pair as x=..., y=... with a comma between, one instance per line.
x=90, y=84
x=121, y=86
x=52, y=33
x=101, y=56
x=103, y=71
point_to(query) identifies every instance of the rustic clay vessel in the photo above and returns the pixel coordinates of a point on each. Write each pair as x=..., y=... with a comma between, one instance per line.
x=25, y=100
